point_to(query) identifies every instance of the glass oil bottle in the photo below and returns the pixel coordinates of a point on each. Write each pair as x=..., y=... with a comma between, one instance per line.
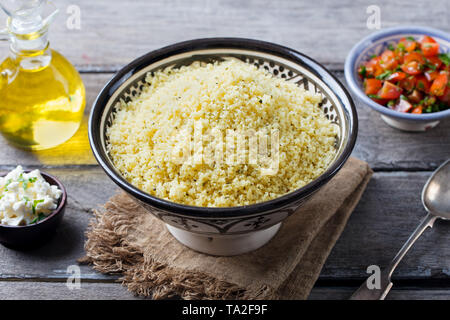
x=42, y=96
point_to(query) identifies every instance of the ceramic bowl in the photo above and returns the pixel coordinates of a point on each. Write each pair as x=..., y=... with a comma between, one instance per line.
x=231, y=230
x=34, y=235
x=376, y=43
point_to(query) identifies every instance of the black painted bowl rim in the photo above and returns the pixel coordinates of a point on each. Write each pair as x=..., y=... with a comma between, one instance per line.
x=62, y=202
x=221, y=43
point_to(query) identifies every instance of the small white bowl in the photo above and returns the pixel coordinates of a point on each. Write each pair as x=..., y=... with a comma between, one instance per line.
x=376, y=43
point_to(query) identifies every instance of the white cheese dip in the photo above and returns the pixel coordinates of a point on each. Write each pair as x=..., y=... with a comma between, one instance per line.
x=26, y=198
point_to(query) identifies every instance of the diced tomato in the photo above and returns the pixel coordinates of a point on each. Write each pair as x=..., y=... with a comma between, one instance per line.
x=389, y=91
x=408, y=83
x=380, y=101
x=412, y=68
x=397, y=76
x=414, y=56
x=427, y=39
x=430, y=49
x=373, y=67
x=402, y=106
x=409, y=77
x=372, y=86
x=417, y=110
x=415, y=96
x=435, y=61
x=388, y=61
x=439, y=84
x=446, y=96
x=422, y=83
x=409, y=45
x=431, y=75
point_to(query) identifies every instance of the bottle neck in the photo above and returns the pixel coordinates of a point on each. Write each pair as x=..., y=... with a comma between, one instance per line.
x=30, y=49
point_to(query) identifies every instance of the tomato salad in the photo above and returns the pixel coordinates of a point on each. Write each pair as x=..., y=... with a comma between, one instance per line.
x=411, y=76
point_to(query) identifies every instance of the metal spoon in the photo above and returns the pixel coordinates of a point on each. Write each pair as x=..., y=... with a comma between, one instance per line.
x=436, y=200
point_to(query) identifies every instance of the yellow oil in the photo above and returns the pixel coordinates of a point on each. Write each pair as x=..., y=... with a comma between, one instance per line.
x=43, y=107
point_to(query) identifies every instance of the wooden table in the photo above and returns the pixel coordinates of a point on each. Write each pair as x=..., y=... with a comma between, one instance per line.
x=115, y=32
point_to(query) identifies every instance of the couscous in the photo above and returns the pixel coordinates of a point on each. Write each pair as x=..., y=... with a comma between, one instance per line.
x=166, y=141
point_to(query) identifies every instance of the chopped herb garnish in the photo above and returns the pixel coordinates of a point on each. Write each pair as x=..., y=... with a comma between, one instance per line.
x=8, y=182
x=410, y=38
x=373, y=96
x=363, y=71
x=391, y=47
x=430, y=66
x=445, y=58
x=35, y=202
x=384, y=75
x=40, y=217
x=373, y=56
x=401, y=46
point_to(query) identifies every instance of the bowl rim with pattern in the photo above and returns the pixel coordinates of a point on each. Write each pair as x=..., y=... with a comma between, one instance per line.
x=221, y=43
x=365, y=45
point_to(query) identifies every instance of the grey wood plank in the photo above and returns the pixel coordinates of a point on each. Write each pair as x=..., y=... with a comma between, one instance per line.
x=112, y=33
x=383, y=147
x=376, y=230
x=333, y=293
x=115, y=291
x=10, y=290
x=388, y=213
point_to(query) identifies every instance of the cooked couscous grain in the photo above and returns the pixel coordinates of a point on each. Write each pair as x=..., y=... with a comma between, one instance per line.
x=229, y=95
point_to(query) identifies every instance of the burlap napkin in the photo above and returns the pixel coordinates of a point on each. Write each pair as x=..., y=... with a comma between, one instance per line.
x=124, y=238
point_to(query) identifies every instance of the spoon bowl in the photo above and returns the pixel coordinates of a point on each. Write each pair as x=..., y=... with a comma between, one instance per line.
x=436, y=192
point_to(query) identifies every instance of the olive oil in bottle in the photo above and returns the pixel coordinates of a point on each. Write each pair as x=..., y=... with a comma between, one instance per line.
x=42, y=96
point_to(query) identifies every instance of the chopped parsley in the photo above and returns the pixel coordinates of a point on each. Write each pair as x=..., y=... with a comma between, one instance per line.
x=384, y=75
x=445, y=58
x=401, y=47
x=363, y=71
x=35, y=202
x=420, y=85
x=8, y=182
x=40, y=217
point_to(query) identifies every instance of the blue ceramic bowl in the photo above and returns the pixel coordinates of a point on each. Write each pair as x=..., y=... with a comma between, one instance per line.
x=376, y=43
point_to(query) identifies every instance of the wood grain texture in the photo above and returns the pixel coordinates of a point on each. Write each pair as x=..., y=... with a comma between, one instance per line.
x=373, y=235
x=99, y=291
x=383, y=147
x=59, y=291
x=332, y=293
x=112, y=33
x=388, y=213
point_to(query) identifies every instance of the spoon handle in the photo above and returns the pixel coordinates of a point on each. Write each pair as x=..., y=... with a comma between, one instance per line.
x=364, y=293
